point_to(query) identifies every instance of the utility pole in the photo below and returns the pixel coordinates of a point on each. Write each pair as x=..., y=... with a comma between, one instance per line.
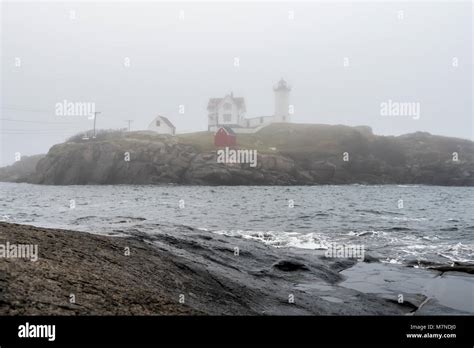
x=129, y=121
x=95, y=117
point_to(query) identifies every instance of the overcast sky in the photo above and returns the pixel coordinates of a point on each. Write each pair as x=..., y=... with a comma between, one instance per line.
x=184, y=54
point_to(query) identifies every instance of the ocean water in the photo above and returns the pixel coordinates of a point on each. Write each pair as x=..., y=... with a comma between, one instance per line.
x=398, y=224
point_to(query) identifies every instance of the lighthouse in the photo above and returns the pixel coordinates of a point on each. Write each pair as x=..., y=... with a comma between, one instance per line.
x=282, y=102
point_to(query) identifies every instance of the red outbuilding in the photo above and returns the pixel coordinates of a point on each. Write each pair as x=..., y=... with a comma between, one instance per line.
x=225, y=136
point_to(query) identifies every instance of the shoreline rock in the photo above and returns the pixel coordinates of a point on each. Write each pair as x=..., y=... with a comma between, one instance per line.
x=180, y=272
x=425, y=291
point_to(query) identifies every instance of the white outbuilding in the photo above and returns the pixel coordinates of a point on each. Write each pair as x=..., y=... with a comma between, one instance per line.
x=162, y=125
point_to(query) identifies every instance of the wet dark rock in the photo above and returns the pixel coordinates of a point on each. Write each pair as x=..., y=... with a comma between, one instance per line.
x=455, y=268
x=420, y=263
x=170, y=263
x=290, y=266
x=413, y=289
x=370, y=258
x=341, y=264
x=432, y=307
x=412, y=301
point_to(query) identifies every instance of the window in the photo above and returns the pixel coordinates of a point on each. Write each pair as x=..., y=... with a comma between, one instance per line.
x=157, y=123
x=227, y=117
x=227, y=106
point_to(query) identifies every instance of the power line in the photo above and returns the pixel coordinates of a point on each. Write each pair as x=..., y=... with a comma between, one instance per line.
x=35, y=130
x=19, y=108
x=30, y=121
x=31, y=133
x=37, y=134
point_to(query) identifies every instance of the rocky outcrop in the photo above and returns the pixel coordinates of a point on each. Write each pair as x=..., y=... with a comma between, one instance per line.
x=288, y=154
x=270, y=170
x=23, y=170
x=115, y=161
x=176, y=272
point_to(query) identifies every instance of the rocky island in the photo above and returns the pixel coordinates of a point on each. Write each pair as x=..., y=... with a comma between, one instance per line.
x=288, y=154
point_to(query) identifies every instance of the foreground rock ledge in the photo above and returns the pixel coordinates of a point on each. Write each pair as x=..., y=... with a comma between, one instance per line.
x=202, y=266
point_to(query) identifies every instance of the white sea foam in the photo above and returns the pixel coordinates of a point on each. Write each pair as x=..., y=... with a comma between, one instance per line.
x=427, y=228
x=313, y=241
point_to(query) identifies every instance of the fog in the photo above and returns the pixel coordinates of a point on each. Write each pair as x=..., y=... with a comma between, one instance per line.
x=138, y=60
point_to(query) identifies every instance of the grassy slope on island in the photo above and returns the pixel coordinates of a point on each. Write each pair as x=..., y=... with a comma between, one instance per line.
x=287, y=137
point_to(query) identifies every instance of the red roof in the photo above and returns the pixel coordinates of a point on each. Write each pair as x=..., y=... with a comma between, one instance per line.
x=228, y=130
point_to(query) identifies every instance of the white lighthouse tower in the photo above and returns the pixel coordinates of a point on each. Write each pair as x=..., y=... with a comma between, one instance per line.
x=282, y=101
